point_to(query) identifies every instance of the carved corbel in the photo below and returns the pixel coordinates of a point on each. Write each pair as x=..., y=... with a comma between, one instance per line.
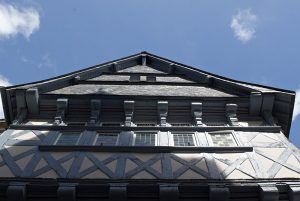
x=95, y=111
x=115, y=67
x=62, y=109
x=268, y=192
x=231, y=110
x=21, y=107
x=267, y=114
x=32, y=100
x=196, y=108
x=171, y=68
x=144, y=59
x=128, y=109
x=162, y=107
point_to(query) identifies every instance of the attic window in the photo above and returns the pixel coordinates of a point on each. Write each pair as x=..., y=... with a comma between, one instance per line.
x=151, y=78
x=68, y=138
x=135, y=78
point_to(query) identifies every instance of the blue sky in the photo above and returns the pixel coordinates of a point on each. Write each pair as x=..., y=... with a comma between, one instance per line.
x=255, y=41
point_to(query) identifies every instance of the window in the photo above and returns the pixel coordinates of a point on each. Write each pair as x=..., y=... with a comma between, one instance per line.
x=222, y=139
x=181, y=124
x=68, y=138
x=106, y=139
x=184, y=140
x=145, y=139
x=145, y=124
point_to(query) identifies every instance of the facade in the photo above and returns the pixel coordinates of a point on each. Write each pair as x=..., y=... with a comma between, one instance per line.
x=147, y=128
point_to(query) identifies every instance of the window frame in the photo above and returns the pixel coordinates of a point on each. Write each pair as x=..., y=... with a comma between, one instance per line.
x=194, y=134
x=141, y=132
x=107, y=133
x=232, y=132
x=61, y=133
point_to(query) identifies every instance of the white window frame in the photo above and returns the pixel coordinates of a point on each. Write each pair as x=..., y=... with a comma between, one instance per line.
x=210, y=142
x=106, y=133
x=141, y=132
x=61, y=133
x=171, y=138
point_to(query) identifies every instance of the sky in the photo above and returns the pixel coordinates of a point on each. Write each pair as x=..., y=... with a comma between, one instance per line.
x=254, y=41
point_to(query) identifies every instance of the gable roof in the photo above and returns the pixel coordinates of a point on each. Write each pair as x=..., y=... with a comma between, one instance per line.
x=145, y=63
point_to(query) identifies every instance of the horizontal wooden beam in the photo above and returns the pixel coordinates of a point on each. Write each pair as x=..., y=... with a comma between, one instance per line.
x=275, y=129
x=144, y=149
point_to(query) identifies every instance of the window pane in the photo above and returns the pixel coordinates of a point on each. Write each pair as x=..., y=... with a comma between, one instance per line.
x=68, y=139
x=223, y=140
x=183, y=140
x=106, y=139
x=145, y=139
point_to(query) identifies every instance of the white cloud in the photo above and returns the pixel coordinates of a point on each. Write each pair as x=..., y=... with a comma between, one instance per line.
x=297, y=104
x=3, y=83
x=243, y=25
x=15, y=21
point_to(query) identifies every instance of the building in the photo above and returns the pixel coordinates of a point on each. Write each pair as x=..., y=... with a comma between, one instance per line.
x=147, y=128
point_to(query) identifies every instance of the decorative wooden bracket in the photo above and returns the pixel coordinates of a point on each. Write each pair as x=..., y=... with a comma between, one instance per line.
x=267, y=114
x=95, y=111
x=144, y=59
x=117, y=191
x=21, y=107
x=62, y=109
x=217, y=193
x=16, y=191
x=129, y=110
x=196, y=108
x=294, y=192
x=268, y=192
x=231, y=110
x=66, y=191
x=162, y=107
x=168, y=192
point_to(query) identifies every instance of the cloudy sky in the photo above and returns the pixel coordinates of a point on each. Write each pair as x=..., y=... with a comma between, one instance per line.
x=255, y=41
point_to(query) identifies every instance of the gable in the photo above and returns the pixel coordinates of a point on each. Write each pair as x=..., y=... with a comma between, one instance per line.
x=147, y=74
